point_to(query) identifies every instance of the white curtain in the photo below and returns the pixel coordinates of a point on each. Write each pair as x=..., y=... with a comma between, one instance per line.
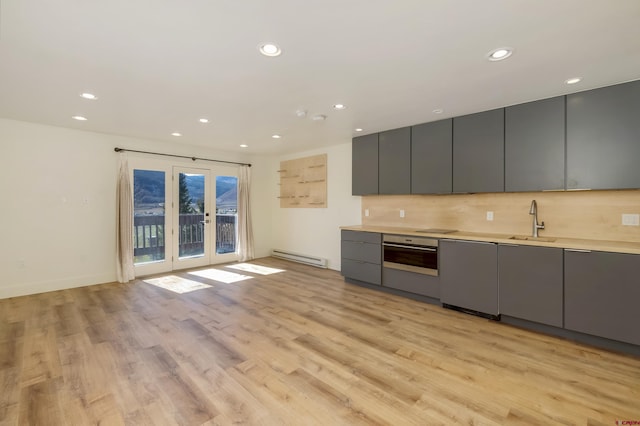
x=245, y=232
x=124, y=224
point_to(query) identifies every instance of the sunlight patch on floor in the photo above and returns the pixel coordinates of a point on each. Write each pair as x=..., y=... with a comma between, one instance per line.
x=221, y=276
x=176, y=284
x=256, y=269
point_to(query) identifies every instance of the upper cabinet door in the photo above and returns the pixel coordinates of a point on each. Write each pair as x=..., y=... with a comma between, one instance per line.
x=395, y=161
x=478, y=152
x=535, y=145
x=431, y=157
x=364, y=165
x=603, y=138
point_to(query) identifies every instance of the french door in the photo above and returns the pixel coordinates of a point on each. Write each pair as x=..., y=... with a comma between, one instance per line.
x=192, y=233
x=184, y=217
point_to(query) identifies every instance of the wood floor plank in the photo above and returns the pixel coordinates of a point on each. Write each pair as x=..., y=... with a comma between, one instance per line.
x=39, y=404
x=276, y=394
x=294, y=347
x=190, y=403
x=41, y=361
x=11, y=350
x=9, y=395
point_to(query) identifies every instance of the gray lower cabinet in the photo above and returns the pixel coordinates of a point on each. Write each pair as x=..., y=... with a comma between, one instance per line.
x=534, y=145
x=478, y=152
x=530, y=281
x=394, y=151
x=469, y=275
x=361, y=256
x=411, y=282
x=603, y=138
x=364, y=165
x=431, y=157
x=602, y=294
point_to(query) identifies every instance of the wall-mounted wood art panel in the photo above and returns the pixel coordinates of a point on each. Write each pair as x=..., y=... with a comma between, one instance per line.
x=303, y=182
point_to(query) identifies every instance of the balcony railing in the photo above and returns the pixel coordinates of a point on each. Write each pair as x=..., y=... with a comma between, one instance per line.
x=149, y=236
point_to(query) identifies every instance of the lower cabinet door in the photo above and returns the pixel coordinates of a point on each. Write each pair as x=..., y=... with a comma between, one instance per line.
x=469, y=275
x=362, y=271
x=602, y=294
x=425, y=285
x=358, y=250
x=530, y=281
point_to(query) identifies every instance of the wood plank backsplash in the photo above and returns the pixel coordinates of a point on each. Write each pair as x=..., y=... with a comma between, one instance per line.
x=573, y=214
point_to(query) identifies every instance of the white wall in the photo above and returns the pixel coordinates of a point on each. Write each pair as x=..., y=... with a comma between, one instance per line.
x=317, y=231
x=58, y=204
x=262, y=194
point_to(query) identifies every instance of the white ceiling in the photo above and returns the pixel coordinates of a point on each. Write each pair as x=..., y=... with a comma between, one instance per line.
x=158, y=66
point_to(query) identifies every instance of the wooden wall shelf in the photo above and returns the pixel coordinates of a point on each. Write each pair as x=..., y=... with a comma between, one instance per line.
x=309, y=190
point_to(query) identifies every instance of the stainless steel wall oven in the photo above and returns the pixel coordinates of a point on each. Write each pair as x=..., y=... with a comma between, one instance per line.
x=413, y=254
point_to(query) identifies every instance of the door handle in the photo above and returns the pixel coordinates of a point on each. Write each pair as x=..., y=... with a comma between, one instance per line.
x=205, y=221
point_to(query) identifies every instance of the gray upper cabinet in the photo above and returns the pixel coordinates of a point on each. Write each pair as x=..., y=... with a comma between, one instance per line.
x=431, y=157
x=535, y=145
x=601, y=294
x=603, y=138
x=586, y=140
x=364, y=165
x=478, y=152
x=394, y=150
x=531, y=283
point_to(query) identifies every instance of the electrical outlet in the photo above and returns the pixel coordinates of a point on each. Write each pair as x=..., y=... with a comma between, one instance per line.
x=631, y=219
x=366, y=212
x=401, y=213
x=489, y=215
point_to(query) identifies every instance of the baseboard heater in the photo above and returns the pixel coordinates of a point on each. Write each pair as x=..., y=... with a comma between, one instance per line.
x=300, y=258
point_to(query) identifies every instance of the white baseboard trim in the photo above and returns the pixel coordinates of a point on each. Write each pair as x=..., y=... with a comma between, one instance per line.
x=25, y=289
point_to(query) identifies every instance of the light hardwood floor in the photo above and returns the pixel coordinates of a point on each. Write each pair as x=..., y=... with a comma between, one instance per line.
x=298, y=347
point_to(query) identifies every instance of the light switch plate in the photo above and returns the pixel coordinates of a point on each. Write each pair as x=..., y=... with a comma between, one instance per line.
x=489, y=215
x=401, y=213
x=366, y=212
x=631, y=219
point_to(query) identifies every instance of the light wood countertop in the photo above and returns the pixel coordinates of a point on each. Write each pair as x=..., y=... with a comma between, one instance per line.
x=559, y=242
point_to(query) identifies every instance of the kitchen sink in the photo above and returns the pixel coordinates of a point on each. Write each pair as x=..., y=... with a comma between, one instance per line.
x=527, y=238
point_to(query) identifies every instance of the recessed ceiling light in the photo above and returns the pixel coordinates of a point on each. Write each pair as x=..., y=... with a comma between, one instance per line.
x=270, y=49
x=276, y=136
x=204, y=120
x=499, y=54
x=319, y=117
x=244, y=146
x=359, y=129
x=573, y=80
x=79, y=118
x=87, y=95
x=301, y=113
x=176, y=134
x=438, y=111
x=339, y=106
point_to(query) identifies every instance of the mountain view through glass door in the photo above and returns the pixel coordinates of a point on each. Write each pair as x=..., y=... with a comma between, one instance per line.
x=148, y=216
x=226, y=214
x=193, y=230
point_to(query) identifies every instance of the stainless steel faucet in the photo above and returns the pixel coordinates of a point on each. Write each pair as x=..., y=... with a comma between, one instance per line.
x=534, y=211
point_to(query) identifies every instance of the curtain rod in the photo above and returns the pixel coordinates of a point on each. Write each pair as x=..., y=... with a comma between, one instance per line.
x=180, y=156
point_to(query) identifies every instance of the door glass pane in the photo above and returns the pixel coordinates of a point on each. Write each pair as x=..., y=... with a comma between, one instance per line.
x=191, y=222
x=226, y=214
x=148, y=216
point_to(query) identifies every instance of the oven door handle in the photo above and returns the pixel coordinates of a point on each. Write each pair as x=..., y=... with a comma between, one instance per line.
x=410, y=247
